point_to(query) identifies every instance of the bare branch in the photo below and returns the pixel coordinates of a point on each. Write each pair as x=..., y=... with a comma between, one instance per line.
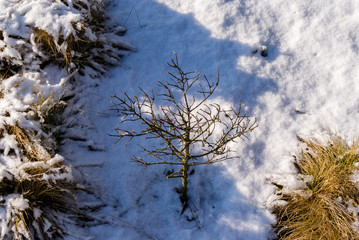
x=185, y=125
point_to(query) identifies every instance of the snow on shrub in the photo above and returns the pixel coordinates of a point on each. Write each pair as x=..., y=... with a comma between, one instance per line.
x=34, y=33
x=27, y=99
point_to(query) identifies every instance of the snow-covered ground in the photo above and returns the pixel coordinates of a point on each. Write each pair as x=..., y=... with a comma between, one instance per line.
x=306, y=85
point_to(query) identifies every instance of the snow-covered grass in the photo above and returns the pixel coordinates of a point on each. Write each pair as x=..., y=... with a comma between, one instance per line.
x=323, y=207
x=36, y=184
x=43, y=46
x=38, y=196
x=36, y=33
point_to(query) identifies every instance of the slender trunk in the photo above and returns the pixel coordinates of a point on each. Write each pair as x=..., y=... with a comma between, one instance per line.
x=186, y=158
x=184, y=197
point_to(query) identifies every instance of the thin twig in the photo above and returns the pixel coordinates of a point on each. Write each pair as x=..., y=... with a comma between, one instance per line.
x=138, y=18
x=135, y=228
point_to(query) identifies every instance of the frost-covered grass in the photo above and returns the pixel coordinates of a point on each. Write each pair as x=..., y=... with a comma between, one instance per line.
x=323, y=208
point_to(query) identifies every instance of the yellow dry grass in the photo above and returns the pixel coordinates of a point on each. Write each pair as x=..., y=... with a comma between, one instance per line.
x=324, y=214
x=32, y=150
x=50, y=199
x=41, y=192
x=76, y=51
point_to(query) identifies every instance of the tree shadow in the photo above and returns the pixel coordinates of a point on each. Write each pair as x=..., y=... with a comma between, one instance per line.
x=157, y=34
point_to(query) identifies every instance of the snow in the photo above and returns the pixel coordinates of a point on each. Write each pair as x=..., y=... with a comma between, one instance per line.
x=306, y=86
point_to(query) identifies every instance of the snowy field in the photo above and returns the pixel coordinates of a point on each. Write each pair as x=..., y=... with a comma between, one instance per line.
x=307, y=85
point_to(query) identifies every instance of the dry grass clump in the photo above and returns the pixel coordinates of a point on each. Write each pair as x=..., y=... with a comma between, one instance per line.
x=37, y=193
x=82, y=41
x=79, y=49
x=95, y=16
x=321, y=210
x=49, y=111
x=39, y=216
x=32, y=150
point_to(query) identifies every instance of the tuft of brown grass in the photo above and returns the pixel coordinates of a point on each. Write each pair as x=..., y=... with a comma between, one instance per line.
x=46, y=199
x=49, y=198
x=76, y=51
x=91, y=44
x=46, y=186
x=32, y=150
x=321, y=213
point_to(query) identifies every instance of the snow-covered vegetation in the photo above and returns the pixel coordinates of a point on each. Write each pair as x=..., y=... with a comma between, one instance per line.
x=34, y=33
x=44, y=45
x=324, y=206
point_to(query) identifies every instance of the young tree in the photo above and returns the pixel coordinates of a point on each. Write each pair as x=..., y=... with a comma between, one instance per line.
x=185, y=125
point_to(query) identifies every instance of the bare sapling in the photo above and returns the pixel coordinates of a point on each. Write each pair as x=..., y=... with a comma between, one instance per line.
x=186, y=125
